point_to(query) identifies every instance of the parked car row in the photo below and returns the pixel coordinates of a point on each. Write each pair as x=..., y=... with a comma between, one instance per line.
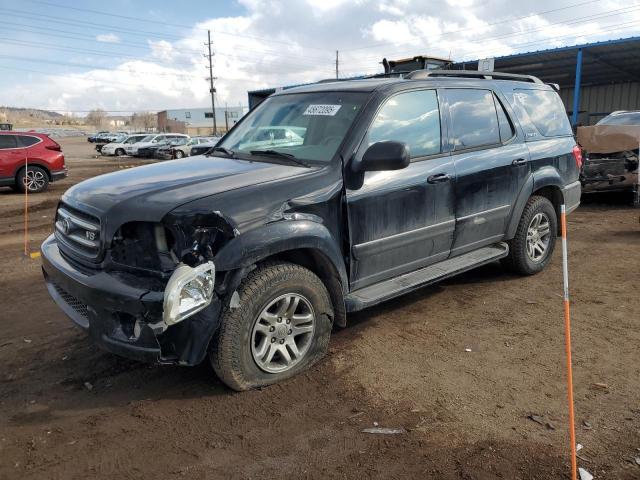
x=163, y=146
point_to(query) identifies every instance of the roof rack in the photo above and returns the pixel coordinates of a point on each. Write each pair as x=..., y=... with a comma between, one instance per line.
x=421, y=74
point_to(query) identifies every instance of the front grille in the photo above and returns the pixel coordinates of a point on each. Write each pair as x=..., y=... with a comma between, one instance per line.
x=78, y=232
x=79, y=307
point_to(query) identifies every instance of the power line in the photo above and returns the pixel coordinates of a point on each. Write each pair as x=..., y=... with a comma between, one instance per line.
x=499, y=22
x=141, y=19
x=617, y=27
x=576, y=20
x=78, y=36
x=96, y=67
x=152, y=59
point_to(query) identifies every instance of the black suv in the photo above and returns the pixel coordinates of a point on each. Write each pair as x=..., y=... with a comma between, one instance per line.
x=323, y=200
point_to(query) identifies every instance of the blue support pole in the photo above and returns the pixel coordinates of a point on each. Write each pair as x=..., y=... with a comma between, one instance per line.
x=576, y=89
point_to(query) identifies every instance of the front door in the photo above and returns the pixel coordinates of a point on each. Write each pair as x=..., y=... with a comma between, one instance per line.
x=402, y=220
x=491, y=165
x=11, y=155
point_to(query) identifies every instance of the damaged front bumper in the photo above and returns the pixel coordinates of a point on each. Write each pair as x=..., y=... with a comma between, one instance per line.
x=119, y=311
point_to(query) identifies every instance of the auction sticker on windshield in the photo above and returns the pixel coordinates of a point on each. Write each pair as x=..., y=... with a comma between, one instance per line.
x=326, y=110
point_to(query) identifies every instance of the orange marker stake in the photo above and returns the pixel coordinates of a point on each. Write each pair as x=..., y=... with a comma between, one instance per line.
x=26, y=209
x=567, y=341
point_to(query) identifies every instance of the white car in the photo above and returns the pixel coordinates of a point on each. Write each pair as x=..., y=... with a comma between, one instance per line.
x=118, y=148
x=151, y=140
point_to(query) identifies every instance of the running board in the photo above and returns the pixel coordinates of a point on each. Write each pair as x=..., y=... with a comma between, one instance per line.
x=380, y=292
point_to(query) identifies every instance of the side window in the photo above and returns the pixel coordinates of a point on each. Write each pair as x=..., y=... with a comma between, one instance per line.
x=8, y=141
x=506, y=127
x=412, y=118
x=543, y=109
x=474, y=120
x=27, y=140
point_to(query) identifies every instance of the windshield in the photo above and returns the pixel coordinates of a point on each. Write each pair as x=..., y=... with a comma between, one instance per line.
x=631, y=118
x=309, y=126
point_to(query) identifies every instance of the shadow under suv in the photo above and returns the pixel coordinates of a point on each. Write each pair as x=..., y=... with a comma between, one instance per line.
x=251, y=254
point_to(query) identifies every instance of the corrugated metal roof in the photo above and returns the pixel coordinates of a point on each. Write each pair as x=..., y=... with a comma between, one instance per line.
x=610, y=61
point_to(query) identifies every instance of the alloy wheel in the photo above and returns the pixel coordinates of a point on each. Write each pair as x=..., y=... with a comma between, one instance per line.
x=34, y=180
x=282, y=333
x=538, y=237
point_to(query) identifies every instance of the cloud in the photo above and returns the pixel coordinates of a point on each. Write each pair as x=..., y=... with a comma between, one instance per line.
x=286, y=42
x=108, y=38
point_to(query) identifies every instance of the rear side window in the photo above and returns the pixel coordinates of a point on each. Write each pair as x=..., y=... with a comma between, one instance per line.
x=410, y=117
x=27, y=140
x=474, y=120
x=544, y=110
x=8, y=141
x=506, y=127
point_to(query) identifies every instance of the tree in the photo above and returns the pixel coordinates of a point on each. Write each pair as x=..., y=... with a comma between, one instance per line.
x=96, y=117
x=144, y=120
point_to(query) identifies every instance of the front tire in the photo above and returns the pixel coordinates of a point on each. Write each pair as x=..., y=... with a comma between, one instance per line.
x=120, y=152
x=178, y=154
x=280, y=328
x=35, y=179
x=531, y=248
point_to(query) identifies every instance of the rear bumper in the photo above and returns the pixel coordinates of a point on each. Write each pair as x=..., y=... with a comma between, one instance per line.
x=59, y=174
x=571, y=194
x=117, y=310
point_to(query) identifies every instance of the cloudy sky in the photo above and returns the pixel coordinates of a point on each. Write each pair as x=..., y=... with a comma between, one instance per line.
x=126, y=55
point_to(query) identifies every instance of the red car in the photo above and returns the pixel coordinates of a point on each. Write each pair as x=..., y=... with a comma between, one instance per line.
x=43, y=157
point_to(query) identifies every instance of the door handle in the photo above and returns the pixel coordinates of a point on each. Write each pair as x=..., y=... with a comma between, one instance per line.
x=519, y=161
x=438, y=178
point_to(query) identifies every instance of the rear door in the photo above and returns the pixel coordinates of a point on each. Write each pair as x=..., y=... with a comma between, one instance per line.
x=491, y=164
x=403, y=220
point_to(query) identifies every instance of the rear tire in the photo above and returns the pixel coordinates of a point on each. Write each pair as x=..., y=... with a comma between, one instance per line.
x=178, y=154
x=120, y=152
x=531, y=248
x=37, y=179
x=246, y=349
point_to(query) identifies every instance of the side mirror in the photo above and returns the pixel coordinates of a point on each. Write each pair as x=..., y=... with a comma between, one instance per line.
x=387, y=155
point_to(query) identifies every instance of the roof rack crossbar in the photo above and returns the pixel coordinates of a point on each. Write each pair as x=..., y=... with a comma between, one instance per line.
x=421, y=74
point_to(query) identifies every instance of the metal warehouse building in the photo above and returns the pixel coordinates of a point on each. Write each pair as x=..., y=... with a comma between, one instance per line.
x=198, y=121
x=595, y=78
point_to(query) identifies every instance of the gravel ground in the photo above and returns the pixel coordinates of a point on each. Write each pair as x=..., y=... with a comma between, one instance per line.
x=71, y=411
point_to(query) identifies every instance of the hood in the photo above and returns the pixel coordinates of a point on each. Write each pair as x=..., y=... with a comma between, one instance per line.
x=149, y=192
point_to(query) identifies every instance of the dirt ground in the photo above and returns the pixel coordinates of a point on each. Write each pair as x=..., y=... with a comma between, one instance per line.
x=69, y=410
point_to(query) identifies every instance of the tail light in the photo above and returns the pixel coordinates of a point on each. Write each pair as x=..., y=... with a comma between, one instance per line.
x=55, y=147
x=577, y=154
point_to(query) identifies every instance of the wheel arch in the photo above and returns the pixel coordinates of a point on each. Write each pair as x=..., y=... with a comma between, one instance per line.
x=545, y=182
x=302, y=242
x=31, y=163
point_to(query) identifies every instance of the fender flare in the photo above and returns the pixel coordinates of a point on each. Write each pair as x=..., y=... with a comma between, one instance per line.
x=278, y=237
x=33, y=162
x=544, y=177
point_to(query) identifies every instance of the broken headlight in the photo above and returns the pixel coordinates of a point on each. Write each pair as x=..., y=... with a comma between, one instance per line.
x=189, y=290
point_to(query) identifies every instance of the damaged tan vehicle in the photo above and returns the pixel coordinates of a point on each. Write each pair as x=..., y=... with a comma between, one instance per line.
x=610, y=160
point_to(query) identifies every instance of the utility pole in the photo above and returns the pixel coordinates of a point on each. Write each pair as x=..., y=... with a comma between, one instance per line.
x=226, y=116
x=212, y=89
x=336, y=64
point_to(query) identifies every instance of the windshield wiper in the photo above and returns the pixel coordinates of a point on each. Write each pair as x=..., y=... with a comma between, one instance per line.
x=275, y=153
x=227, y=151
